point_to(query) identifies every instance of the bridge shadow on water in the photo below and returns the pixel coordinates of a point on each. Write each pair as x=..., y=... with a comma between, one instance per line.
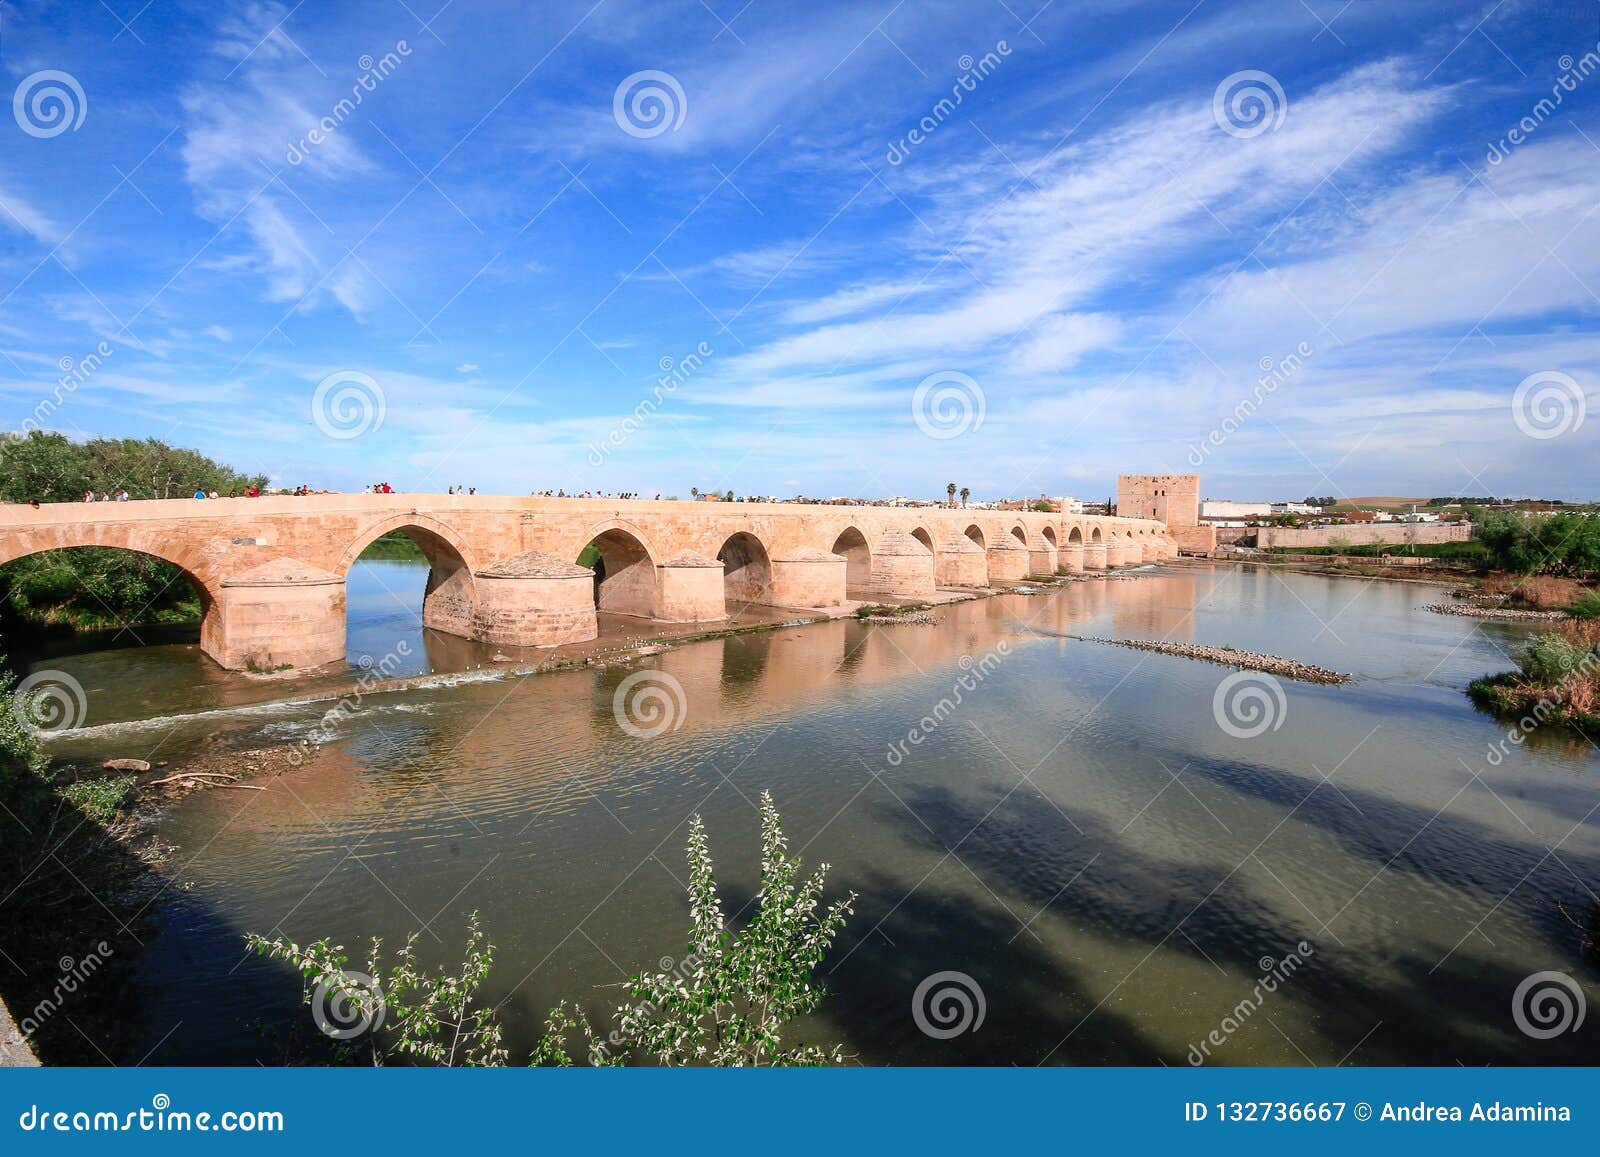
x=1108, y=989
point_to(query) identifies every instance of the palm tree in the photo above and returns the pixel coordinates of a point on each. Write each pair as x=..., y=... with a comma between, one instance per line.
x=951, y=491
x=694, y=493
x=965, y=494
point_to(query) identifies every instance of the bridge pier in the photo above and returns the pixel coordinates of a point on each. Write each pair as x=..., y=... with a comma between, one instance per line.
x=902, y=567
x=533, y=600
x=689, y=590
x=808, y=577
x=1094, y=556
x=1041, y=559
x=283, y=613
x=960, y=562
x=1008, y=561
x=1069, y=558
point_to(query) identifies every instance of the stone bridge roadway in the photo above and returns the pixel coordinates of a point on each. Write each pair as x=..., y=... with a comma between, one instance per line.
x=271, y=571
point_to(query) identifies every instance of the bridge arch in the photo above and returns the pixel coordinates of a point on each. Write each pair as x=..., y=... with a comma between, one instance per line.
x=1075, y=536
x=625, y=581
x=746, y=570
x=975, y=533
x=921, y=535
x=1020, y=534
x=90, y=537
x=1094, y=534
x=851, y=545
x=1049, y=533
x=450, y=597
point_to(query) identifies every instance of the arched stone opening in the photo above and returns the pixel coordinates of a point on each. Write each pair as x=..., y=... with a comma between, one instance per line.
x=1075, y=535
x=117, y=593
x=975, y=533
x=1049, y=533
x=624, y=574
x=1020, y=535
x=449, y=596
x=851, y=545
x=1094, y=535
x=924, y=538
x=746, y=573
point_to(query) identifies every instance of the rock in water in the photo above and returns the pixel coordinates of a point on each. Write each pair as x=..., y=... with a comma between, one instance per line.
x=125, y=765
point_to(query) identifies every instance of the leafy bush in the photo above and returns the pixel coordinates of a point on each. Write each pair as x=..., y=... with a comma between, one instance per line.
x=729, y=1002
x=99, y=799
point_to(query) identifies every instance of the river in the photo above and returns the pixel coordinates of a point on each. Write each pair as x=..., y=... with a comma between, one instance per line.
x=1112, y=853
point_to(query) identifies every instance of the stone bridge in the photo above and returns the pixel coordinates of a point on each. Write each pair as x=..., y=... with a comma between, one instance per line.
x=270, y=572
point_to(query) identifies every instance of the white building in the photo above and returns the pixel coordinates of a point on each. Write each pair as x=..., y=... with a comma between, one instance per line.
x=1214, y=509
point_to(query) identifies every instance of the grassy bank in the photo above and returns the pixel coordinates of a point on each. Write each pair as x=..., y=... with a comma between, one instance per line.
x=1556, y=683
x=72, y=891
x=394, y=547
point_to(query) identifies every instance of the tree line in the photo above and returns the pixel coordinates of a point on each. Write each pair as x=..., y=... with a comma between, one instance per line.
x=91, y=588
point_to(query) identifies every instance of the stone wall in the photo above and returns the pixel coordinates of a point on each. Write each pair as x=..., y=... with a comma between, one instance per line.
x=1364, y=534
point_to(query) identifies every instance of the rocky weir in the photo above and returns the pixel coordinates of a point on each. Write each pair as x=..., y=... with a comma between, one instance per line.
x=1229, y=657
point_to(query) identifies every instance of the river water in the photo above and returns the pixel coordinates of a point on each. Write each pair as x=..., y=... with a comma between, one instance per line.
x=1091, y=835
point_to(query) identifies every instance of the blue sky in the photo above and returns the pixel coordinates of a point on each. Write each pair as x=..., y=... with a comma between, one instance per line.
x=1090, y=258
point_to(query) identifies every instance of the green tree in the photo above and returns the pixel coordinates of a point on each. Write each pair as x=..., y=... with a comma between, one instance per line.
x=950, y=489
x=965, y=494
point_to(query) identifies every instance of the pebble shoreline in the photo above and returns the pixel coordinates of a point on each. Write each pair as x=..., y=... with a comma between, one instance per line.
x=1477, y=610
x=1248, y=660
